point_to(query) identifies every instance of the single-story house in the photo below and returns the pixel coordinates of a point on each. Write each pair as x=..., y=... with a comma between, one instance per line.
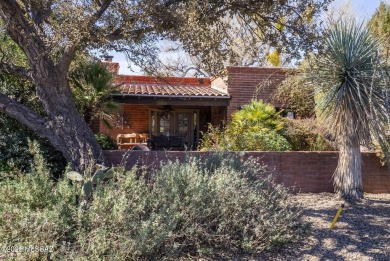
x=172, y=112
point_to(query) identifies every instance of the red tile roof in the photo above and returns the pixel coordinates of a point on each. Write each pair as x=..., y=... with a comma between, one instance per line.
x=168, y=86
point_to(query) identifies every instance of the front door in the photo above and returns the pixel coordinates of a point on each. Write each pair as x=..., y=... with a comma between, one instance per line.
x=184, y=126
x=183, y=123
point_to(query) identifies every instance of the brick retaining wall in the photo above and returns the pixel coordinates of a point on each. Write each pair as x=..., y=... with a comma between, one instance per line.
x=301, y=171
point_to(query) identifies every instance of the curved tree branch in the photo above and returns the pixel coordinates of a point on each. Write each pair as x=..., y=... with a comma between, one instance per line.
x=22, y=31
x=17, y=71
x=70, y=51
x=103, y=7
x=24, y=115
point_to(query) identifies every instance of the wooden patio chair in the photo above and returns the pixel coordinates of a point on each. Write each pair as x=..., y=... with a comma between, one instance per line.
x=143, y=138
x=127, y=140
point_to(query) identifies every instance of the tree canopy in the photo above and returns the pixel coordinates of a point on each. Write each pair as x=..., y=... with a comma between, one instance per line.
x=379, y=26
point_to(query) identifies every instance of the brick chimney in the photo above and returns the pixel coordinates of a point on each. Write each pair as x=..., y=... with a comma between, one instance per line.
x=108, y=58
x=246, y=83
x=111, y=66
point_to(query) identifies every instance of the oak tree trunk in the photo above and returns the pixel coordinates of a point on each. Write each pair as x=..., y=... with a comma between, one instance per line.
x=48, y=69
x=69, y=133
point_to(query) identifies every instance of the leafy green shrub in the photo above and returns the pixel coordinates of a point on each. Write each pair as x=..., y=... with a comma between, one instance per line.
x=256, y=116
x=213, y=207
x=307, y=135
x=382, y=151
x=262, y=141
x=256, y=127
x=214, y=139
x=296, y=93
x=16, y=154
x=106, y=141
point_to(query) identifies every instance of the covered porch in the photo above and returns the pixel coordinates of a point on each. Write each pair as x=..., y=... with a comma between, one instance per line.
x=165, y=113
x=166, y=127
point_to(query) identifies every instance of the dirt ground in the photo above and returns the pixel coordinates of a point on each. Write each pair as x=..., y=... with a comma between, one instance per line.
x=362, y=231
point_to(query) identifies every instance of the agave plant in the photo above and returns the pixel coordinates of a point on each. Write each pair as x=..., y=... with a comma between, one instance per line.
x=351, y=77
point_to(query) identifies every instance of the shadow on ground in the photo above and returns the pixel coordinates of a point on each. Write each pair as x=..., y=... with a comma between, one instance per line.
x=362, y=231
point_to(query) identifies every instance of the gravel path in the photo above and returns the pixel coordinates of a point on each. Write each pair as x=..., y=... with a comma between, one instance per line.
x=362, y=231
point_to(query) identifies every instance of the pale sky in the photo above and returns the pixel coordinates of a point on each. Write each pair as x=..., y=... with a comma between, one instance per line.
x=361, y=9
x=365, y=8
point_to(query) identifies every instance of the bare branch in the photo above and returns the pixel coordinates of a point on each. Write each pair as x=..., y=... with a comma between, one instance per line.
x=103, y=7
x=39, y=10
x=24, y=115
x=17, y=71
x=21, y=30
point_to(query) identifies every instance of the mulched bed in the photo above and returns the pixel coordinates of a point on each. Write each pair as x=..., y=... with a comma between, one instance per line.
x=362, y=231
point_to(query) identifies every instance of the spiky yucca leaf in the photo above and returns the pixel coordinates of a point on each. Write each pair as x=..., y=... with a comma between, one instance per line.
x=352, y=78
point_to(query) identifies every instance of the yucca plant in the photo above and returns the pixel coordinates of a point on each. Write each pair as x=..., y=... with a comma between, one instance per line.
x=351, y=78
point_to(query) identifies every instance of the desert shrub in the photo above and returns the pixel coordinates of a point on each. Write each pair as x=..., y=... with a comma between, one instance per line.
x=382, y=151
x=214, y=139
x=218, y=139
x=256, y=127
x=262, y=141
x=36, y=212
x=16, y=154
x=106, y=142
x=213, y=207
x=199, y=208
x=307, y=135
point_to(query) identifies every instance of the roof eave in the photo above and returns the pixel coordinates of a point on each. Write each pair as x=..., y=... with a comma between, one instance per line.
x=173, y=96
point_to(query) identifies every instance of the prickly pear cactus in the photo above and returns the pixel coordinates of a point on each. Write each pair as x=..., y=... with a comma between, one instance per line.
x=88, y=181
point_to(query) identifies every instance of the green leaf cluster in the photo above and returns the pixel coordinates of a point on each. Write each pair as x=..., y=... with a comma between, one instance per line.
x=106, y=141
x=379, y=26
x=296, y=93
x=256, y=127
x=92, y=86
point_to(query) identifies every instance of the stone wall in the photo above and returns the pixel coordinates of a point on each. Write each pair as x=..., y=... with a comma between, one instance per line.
x=302, y=171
